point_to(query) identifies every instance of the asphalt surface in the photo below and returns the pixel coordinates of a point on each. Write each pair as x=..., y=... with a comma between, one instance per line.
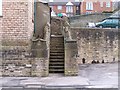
x=91, y=77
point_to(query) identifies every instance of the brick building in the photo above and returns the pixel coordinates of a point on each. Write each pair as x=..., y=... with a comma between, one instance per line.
x=70, y=7
x=96, y=6
x=16, y=18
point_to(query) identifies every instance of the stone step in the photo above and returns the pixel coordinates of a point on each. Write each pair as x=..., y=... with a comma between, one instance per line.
x=56, y=54
x=57, y=36
x=58, y=63
x=56, y=70
x=56, y=67
x=57, y=46
x=54, y=51
x=57, y=49
x=56, y=60
x=57, y=39
x=56, y=57
x=53, y=46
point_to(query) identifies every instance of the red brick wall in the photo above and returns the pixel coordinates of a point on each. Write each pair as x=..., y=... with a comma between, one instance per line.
x=17, y=22
x=96, y=7
x=59, y=11
x=83, y=7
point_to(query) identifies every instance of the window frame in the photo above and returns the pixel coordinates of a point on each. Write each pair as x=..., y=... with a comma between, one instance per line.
x=89, y=5
x=59, y=7
x=69, y=9
x=50, y=0
x=108, y=4
x=101, y=4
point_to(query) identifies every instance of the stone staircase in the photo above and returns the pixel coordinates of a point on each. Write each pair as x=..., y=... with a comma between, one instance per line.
x=56, y=63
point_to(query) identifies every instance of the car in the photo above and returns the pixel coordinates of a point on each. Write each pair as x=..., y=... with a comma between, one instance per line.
x=109, y=23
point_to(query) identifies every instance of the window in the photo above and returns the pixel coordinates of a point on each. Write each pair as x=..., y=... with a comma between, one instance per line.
x=69, y=9
x=107, y=4
x=0, y=7
x=59, y=7
x=50, y=0
x=101, y=4
x=76, y=0
x=115, y=21
x=89, y=6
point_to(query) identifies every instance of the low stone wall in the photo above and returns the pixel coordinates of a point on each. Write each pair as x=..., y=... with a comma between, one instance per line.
x=71, y=51
x=16, y=61
x=96, y=44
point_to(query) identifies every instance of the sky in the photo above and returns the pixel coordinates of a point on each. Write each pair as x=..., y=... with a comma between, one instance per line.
x=115, y=0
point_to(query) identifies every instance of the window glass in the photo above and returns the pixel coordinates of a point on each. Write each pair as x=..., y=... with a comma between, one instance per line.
x=115, y=20
x=89, y=6
x=59, y=7
x=107, y=4
x=101, y=4
x=50, y=0
x=76, y=0
x=69, y=9
x=105, y=21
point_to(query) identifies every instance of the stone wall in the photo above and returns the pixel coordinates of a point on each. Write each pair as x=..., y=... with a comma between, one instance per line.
x=0, y=29
x=17, y=32
x=0, y=45
x=96, y=44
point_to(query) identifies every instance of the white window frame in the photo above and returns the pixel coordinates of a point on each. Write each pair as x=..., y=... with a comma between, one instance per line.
x=59, y=7
x=69, y=9
x=76, y=0
x=0, y=7
x=101, y=4
x=108, y=4
x=89, y=5
x=50, y=0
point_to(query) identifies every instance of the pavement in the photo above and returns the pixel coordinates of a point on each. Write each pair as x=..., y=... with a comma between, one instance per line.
x=104, y=76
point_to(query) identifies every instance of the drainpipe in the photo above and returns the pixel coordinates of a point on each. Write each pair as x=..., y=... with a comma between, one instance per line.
x=35, y=4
